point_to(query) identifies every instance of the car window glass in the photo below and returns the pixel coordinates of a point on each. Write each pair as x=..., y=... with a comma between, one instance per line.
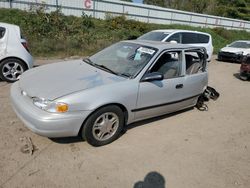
x=175, y=37
x=203, y=38
x=240, y=45
x=2, y=32
x=195, y=61
x=189, y=38
x=124, y=57
x=169, y=64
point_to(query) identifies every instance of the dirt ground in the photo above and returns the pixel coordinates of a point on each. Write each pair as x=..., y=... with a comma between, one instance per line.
x=190, y=149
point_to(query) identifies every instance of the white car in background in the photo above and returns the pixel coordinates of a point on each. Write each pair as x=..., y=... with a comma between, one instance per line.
x=235, y=51
x=15, y=57
x=194, y=38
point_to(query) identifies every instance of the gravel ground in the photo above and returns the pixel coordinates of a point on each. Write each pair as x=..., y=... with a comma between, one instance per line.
x=190, y=149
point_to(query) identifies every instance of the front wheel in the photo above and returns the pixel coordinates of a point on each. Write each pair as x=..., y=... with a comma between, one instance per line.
x=103, y=126
x=11, y=69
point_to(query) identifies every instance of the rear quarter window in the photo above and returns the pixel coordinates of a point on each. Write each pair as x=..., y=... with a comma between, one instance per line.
x=203, y=38
x=194, y=38
x=2, y=32
x=189, y=38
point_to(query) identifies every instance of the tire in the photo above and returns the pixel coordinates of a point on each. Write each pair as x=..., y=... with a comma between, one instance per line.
x=244, y=78
x=103, y=126
x=11, y=69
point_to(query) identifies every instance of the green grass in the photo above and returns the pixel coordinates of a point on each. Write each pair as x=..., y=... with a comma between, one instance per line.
x=57, y=35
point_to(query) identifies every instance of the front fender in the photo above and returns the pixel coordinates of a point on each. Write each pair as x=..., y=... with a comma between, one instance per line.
x=124, y=93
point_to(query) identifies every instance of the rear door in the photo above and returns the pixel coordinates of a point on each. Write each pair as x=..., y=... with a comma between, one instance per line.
x=196, y=76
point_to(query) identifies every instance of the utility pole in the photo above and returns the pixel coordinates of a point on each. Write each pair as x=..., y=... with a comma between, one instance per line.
x=57, y=5
x=10, y=3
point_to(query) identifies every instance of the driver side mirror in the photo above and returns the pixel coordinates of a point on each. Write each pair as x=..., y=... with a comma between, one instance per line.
x=153, y=76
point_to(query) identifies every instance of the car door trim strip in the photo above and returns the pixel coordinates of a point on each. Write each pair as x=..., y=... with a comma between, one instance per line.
x=165, y=104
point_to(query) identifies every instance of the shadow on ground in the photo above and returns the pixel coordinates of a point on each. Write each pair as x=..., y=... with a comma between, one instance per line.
x=3, y=83
x=228, y=61
x=67, y=140
x=237, y=75
x=70, y=140
x=151, y=180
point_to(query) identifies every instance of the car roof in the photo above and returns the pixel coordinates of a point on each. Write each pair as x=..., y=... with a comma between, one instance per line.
x=178, y=30
x=161, y=45
x=7, y=25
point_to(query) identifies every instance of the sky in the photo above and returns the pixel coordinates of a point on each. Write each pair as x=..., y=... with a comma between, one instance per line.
x=137, y=1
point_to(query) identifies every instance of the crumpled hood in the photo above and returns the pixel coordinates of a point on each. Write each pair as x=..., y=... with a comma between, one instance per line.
x=236, y=50
x=59, y=79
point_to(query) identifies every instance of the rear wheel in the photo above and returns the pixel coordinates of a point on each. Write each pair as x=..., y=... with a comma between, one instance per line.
x=11, y=69
x=103, y=126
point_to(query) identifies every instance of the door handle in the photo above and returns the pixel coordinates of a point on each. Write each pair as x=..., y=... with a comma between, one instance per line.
x=179, y=86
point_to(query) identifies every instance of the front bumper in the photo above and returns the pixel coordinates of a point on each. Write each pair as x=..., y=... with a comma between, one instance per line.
x=228, y=56
x=45, y=123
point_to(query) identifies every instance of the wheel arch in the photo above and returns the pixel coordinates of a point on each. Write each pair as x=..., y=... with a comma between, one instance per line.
x=13, y=57
x=121, y=106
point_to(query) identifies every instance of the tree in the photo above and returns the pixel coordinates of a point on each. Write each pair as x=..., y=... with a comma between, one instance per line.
x=155, y=2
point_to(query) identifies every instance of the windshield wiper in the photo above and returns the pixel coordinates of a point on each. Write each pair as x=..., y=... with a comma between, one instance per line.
x=105, y=68
x=87, y=60
x=124, y=75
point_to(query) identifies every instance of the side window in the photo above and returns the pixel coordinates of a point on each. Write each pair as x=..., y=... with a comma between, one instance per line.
x=203, y=38
x=189, y=38
x=169, y=64
x=2, y=32
x=175, y=37
x=195, y=61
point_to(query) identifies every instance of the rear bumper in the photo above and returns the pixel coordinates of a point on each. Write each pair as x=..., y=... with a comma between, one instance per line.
x=29, y=60
x=45, y=123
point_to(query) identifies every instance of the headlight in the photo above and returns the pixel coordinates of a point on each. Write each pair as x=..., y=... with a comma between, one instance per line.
x=50, y=106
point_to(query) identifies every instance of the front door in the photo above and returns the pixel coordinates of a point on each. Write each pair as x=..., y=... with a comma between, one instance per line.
x=165, y=96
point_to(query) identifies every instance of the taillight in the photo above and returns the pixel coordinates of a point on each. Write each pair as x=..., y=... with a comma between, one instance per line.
x=25, y=45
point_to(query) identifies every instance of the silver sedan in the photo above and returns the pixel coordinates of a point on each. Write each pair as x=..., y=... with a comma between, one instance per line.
x=95, y=97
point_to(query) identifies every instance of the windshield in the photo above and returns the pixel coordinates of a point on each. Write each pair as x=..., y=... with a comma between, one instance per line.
x=240, y=45
x=123, y=58
x=155, y=36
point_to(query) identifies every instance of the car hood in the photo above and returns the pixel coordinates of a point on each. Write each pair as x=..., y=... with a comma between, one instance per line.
x=60, y=79
x=236, y=50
